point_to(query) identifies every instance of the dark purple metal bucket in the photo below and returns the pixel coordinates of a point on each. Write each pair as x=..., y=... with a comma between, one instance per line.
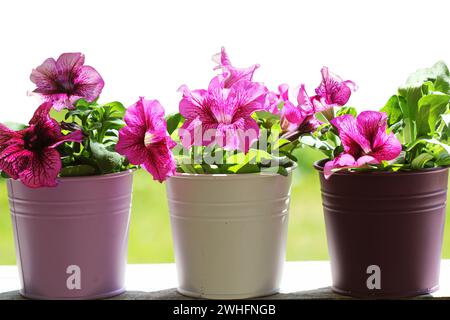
x=385, y=231
x=71, y=240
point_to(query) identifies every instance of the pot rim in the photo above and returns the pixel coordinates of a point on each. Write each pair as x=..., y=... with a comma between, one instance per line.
x=91, y=177
x=318, y=165
x=238, y=176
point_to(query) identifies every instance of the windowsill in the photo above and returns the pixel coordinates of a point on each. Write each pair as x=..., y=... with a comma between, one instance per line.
x=301, y=280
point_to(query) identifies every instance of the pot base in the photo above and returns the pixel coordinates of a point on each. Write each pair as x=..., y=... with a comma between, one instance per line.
x=385, y=295
x=92, y=297
x=219, y=296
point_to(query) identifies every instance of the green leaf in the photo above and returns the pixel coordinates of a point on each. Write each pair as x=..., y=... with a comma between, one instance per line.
x=289, y=155
x=393, y=110
x=248, y=168
x=315, y=143
x=434, y=141
x=186, y=168
x=265, y=115
x=421, y=160
x=438, y=74
x=283, y=171
x=78, y=170
x=82, y=104
x=446, y=120
x=253, y=156
x=172, y=122
x=114, y=109
x=443, y=159
x=4, y=175
x=107, y=161
x=113, y=123
x=412, y=95
x=347, y=110
x=430, y=109
x=280, y=143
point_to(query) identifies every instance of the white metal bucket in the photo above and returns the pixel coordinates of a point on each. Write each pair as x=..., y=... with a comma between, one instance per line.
x=229, y=233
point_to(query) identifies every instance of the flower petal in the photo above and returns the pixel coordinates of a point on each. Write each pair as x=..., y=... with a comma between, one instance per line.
x=160, y=162
x=46, y=126
x=364, y=160
x=353, y=141
x=227, y=135
x=372, y=124
x=193, y=103
x=66, y=80
x=344, y=160
x=284, y=91
x=248, y=134
x=272, y=102
x=68, y=63
x=333, y=91
x=304, y=102
x=10, y=158
x=291, y=117
x=389, y=150
x=41, y=168
x=88, y=84
x=44, y=75
x=232, y=75
x=131, y=145
x=75, y=136
x=7, y=136
x=247, y=97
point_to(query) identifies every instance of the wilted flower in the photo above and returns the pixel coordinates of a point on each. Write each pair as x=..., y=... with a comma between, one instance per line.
x=332, y=91
x=30, y=154
x=145, y=140
x=221, y=114
x=231, y=75
x=66, y=80
x=298, y=118
x=364, y=140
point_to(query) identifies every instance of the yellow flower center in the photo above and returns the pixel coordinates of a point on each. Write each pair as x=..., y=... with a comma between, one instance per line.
x=148, y=139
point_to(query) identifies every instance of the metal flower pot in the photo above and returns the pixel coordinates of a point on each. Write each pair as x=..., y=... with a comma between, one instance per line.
x=71, y=240
x=229, y=233
x=385, y=231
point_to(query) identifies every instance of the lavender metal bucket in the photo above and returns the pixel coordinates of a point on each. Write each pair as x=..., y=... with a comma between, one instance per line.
x=385, y=230
x=71, y=240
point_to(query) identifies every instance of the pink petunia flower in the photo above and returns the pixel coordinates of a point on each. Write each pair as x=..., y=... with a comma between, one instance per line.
x=298, y=118
x=221, y=115
x=364, y=140
x=66, y=80
x=274, y=99
x=30, y=154
x=332, y=91
x=145, y=140
x=231, y=75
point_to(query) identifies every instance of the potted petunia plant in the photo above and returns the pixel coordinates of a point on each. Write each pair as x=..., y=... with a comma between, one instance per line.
x=384, y=185
x=69, y=190
x=228, y=176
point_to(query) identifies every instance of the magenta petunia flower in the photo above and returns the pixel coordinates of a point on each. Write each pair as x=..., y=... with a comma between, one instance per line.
x=231, y=75
x=274, y=99
x=30, y=154
x=222, y=115
x=64, y=81
x=364, y=140
x=332, y=91
x=298, y=118
x=145, y=140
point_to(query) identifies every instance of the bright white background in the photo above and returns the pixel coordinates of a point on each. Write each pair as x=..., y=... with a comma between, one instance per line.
x=151, y=48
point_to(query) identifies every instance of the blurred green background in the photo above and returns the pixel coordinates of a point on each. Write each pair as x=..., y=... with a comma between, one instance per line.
x=150, y=235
